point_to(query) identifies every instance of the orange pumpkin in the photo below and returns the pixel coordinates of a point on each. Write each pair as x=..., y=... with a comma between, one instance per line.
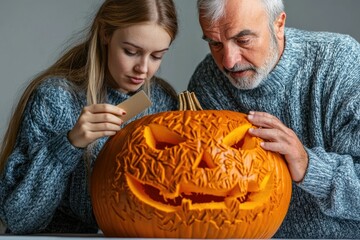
x=189, y=174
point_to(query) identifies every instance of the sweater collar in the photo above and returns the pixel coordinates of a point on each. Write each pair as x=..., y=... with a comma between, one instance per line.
x=290, y=60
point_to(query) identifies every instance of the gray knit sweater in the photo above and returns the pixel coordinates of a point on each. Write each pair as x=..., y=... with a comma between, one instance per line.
x=44, y=185
x=314, y=90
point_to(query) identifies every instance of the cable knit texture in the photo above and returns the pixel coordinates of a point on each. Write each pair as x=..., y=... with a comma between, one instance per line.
x=44, y=185
x=314, y=90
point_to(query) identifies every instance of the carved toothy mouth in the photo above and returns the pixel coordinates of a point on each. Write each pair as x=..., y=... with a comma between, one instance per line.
x=195, y=198
x=153, y=197
x=255, y=196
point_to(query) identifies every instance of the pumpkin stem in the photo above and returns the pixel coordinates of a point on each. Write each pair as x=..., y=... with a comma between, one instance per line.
x=188, y=101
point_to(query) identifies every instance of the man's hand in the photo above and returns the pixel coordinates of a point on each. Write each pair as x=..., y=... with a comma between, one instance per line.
x=281, y=139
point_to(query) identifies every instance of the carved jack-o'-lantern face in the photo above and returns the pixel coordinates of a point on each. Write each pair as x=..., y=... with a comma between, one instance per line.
x=189, y=174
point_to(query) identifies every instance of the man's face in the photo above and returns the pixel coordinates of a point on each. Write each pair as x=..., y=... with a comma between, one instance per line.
x=242, y=44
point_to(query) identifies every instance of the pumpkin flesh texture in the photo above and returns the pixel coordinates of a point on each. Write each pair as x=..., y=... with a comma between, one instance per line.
x=190, y=174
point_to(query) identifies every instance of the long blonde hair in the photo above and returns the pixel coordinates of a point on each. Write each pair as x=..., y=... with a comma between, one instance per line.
x=85, y=64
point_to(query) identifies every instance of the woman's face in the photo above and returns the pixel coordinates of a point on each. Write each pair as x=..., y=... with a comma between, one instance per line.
x=135, y=54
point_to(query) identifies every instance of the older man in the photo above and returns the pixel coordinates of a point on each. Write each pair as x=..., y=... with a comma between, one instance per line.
x=302, y=89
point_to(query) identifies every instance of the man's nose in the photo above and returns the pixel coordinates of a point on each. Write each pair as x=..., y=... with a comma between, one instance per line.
x=231, y=56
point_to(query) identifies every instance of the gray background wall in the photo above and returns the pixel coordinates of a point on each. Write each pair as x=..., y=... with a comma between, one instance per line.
x=33, y=34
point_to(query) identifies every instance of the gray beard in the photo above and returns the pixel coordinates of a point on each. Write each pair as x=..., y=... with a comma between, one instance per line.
x=247, y=83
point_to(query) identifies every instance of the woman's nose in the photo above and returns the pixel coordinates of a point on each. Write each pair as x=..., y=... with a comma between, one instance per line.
x=142, y=66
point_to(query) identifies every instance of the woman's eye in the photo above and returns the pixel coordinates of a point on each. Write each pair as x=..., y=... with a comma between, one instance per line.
x=130, y=53
x=156, y=57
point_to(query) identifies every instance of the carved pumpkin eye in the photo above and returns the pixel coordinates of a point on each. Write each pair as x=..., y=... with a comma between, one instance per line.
x=160, y=137
x=239, y=138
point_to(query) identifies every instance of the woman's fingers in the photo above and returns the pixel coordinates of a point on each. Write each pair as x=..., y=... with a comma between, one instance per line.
x=105, y=108
x=95, y=121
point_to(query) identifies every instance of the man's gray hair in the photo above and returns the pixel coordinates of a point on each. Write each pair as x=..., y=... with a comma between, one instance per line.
x=213, y=10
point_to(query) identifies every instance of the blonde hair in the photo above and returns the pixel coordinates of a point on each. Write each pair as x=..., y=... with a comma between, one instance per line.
x=85, y=64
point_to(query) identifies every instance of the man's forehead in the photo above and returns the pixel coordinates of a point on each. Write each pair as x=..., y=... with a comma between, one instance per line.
x=241, y=18
x=234, y=11
x=225, y=31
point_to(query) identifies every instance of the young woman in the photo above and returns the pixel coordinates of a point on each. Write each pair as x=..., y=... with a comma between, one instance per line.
x=66, y=114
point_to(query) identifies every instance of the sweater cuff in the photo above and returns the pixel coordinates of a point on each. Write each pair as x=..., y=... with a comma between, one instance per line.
x=64, y=151
x=318, y=177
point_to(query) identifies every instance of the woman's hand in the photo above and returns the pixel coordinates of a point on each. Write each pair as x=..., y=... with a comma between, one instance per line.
x=95, y=121
x=281, y=139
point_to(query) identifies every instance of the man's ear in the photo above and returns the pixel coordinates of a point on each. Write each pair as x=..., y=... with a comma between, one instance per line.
x=279, y=26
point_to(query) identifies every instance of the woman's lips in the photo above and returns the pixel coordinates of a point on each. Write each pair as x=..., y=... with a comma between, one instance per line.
x=136, y=80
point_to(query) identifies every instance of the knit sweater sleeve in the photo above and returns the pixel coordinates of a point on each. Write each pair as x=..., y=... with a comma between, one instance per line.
x=333, y=174
x=37, y=172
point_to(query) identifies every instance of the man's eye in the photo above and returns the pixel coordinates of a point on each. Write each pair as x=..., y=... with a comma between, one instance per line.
x=243, y=41
x=215, y=45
